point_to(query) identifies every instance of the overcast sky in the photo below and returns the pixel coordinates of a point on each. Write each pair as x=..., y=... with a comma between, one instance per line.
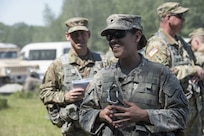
x=27, y=11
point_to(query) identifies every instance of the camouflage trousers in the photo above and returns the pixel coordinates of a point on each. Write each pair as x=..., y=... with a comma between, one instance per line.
x=73, y=129
x=194, y=123
x=77, y=133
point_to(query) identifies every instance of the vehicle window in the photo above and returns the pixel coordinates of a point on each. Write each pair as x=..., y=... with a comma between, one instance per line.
x=8, y=54
x=65, y=50
x=42, y=54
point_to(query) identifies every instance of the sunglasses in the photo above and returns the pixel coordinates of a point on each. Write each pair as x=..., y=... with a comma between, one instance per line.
x=118, y=34
x=180, y=16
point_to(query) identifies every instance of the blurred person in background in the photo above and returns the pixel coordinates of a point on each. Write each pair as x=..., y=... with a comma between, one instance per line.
x=32, y=82
x=167, y=48
x=197, y=45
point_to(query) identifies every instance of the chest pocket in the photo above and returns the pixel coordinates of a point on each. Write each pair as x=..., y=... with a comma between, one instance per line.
x=145, y=92
x=70, y=74
x=177, y=59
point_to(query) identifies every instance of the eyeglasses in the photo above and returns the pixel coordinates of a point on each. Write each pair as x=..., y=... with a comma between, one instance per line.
x=180, y=16
x=116, y=34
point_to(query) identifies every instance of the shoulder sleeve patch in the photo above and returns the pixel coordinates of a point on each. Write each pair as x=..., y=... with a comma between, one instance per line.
x=153, y=51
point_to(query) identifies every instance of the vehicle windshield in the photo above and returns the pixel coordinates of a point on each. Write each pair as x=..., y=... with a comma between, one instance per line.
x=42, y=54
x=8, y=54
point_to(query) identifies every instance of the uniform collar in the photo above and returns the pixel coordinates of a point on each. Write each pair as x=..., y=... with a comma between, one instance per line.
x=168, y=37
x=74, y=58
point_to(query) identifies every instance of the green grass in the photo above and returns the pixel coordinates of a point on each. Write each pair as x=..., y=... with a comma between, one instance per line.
x=25, y=116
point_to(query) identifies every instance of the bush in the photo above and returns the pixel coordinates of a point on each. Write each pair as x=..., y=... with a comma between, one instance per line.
x=3, y=103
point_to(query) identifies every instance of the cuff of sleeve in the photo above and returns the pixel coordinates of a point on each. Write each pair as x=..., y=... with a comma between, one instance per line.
x=151, y=117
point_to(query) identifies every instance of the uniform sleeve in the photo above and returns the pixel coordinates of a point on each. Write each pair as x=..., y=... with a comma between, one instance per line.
x=200, y=58
x=183, y=71
x=157, y=51
x=175, y=111
x=50, y=90
x=90, y=108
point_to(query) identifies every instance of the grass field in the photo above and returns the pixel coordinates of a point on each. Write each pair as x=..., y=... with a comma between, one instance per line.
x=25, y=116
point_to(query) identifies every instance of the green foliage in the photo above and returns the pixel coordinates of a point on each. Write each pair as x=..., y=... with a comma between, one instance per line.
x=97, y=11
x=3, y=103
x=26, y=117
x=24, y=95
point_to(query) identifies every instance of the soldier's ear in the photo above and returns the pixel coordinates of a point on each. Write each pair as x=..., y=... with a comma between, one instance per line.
x=67, y=36
x=138, y=36
x=89, y=33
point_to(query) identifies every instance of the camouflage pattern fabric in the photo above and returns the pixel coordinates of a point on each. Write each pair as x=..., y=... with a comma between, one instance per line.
x=200, y=57
x=200, y=61
x=57, y=81
x=109, y=57
x=150, y=86
x=171, y=8
x=159, y=49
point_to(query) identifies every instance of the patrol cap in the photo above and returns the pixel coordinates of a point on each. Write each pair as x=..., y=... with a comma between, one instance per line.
x=77, y=23
x=124, y=22
x=170, y=8
x=196, y=32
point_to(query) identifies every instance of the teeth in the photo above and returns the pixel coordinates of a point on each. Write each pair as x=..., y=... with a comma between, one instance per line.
x=116, y=45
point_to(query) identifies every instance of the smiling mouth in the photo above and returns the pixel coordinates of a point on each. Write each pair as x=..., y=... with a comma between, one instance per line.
x=115, y=48
x=115, y=45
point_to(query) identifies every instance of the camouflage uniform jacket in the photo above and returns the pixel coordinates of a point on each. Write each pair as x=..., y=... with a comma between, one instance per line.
x=200, y=57
x=159, y=49
x=177, y=55
x=58, y=80
x=150, y=86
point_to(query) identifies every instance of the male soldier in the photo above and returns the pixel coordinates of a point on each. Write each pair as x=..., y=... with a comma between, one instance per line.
x=197, y=45
x=172, y=51
x=62, y=101
x=134, y=97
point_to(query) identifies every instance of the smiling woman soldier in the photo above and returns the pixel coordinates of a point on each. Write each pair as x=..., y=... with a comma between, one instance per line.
x=134, y=97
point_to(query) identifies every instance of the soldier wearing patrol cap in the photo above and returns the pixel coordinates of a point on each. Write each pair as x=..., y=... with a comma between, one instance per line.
x=197, y=45
x=167, y=48
x=134, y=97
x=62, y=100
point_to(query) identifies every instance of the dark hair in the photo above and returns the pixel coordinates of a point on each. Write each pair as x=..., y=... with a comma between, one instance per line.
x=143, y=40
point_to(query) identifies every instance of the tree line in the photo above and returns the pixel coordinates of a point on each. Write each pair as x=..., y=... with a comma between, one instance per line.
x=97, y=11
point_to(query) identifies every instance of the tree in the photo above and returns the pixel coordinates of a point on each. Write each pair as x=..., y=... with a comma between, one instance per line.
x=97, y=11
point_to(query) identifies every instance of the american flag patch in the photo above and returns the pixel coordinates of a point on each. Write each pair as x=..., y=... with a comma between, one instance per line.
x=153, y=51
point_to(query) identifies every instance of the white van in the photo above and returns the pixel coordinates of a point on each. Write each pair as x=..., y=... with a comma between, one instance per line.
x=44, y=53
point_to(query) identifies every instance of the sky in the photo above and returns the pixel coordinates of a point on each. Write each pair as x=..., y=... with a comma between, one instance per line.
x=28, y=11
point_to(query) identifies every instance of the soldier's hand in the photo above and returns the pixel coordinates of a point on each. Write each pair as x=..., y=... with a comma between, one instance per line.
x=199, y=72
x=74, y=95
x=130, y=114
x=105, y=114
